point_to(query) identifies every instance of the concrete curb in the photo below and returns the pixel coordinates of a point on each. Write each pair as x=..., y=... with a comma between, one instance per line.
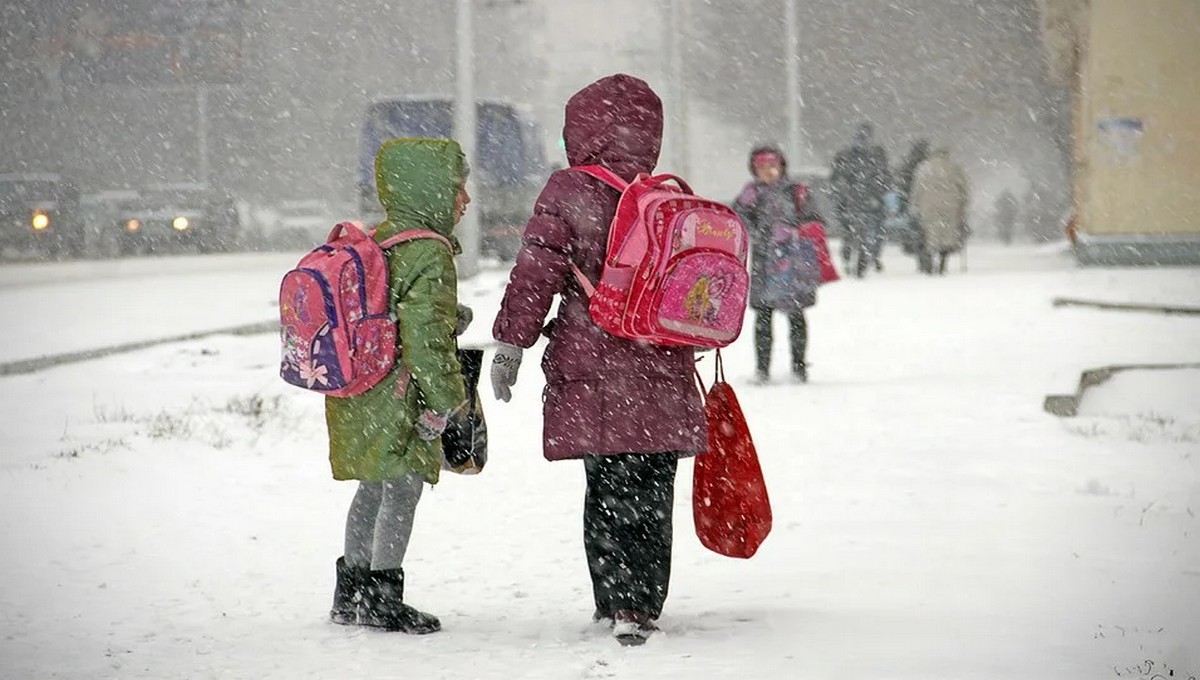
x=41, y=363
x=1067, y=405
x=1125, y=307
x=26, y=366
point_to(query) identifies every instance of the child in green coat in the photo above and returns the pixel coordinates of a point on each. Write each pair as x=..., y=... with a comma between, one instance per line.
x=389, y=438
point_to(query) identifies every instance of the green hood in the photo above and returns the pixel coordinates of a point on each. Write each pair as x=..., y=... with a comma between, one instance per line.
x=418, y=180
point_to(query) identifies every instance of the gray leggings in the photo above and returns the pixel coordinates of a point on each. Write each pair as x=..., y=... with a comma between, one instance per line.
x=380, y=522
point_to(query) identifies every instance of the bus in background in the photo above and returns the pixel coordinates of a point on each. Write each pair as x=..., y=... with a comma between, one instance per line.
x=508, y=167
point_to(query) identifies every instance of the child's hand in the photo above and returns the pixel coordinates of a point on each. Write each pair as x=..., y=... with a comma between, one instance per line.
x=431, y=424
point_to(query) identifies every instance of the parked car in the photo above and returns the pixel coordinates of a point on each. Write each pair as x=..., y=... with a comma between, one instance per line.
x=175, y=217
x=39, y=212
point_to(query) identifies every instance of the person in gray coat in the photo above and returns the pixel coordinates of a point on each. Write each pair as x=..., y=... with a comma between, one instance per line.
x=940, y=197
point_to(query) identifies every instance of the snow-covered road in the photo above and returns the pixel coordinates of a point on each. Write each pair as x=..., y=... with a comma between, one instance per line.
x=169, y=513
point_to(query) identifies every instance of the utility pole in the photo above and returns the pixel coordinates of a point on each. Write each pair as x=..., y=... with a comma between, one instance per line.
x=678, y=27
x=796, y=154
x=202, y=131
x=465, y=132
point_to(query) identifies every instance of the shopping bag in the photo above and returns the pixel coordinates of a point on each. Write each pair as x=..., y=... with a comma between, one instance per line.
x=814, y=233
x=792, y=273
x=730, y=506
x=464, y=442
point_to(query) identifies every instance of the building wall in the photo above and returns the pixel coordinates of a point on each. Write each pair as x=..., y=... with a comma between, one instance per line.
x=1140, y=104
x=583, y=40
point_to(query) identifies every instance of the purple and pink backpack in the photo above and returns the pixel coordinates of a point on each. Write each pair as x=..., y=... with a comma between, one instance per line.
x=337, y=332
x=675, y=266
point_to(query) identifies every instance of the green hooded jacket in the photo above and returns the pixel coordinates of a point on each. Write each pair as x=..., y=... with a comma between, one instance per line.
x=372, y=436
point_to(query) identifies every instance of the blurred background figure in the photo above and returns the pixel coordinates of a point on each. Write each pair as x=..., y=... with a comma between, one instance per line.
x=1006, y=216
x=773, y=206
x=899, y=225
x=940, y=196
x=860, y=179
x=912, y=238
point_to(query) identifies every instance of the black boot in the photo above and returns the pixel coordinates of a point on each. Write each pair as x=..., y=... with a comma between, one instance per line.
x=383, y=606
x=800, y=372
x=346, y=593
x=631, y=628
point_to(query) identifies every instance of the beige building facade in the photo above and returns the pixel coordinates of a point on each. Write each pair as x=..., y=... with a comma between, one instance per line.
x=1137, y=133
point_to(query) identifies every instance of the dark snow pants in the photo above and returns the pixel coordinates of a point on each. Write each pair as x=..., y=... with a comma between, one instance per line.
x=627, y=528
x=863, y=235
x=764, y=337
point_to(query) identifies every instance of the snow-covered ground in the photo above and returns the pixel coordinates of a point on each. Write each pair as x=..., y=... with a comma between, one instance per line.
x=169, y=513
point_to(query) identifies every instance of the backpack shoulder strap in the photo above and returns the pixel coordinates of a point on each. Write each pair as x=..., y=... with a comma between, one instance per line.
x=589, y=288
x=414, y=235
x=603, y=174
x=613, y=180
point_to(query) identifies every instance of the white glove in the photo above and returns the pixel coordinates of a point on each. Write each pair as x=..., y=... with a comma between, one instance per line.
x=505, y=365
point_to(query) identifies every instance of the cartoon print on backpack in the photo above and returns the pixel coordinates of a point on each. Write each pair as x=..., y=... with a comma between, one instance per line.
x=703, y=301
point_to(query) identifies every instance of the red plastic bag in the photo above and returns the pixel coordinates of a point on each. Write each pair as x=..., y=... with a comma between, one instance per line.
x=815, y=233
x=729, y=496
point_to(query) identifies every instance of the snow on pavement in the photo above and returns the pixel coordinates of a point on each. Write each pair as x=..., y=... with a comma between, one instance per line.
x=169, y=513
x=70, y=307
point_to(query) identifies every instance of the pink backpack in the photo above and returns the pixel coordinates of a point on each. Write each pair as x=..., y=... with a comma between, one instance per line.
x=675, y=267
x=336, y=328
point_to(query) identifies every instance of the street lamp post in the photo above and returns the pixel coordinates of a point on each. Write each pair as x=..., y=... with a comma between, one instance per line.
x=465, y=132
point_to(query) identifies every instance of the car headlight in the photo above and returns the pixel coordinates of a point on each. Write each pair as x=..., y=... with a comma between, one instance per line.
x=181, y=223
x=133, y=225
x=39, y=221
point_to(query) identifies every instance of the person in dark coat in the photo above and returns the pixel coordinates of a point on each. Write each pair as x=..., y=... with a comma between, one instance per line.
x=774, y=200
x=628, y=410
x=860, y=179
x=1006, y=216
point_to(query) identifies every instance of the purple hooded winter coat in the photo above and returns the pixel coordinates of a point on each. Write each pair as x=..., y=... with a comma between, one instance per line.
x=603, y=395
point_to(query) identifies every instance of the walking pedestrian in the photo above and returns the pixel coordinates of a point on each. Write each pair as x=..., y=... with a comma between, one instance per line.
x=629, y=410
x=860, y=180
x=773, y=206
x=940, y=196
